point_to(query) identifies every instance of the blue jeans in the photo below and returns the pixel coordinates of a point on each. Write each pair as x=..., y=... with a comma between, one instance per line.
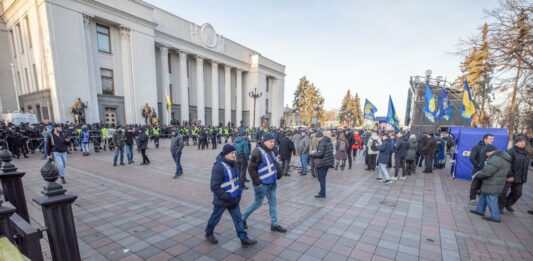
x=235, y=213
x=177, y=160
x=321, y=175
x=259, y=194
x=303, y=162
x=129, y=153
x=117, y=152
x=60, y=159
x=85, y=147
x=491, y=201
x=383, y=172
x=45, y=147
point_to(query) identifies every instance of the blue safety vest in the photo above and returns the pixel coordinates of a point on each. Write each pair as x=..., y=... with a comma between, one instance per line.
x=231, y=181
x=267, y=170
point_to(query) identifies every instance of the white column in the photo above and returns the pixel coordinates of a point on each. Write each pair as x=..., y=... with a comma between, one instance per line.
x=227, y=94
x=214, y=94
x=200, y=105
x=129, y=96
x=165, y=84
x=93, y=115
x=238, y=107
x=184, y=86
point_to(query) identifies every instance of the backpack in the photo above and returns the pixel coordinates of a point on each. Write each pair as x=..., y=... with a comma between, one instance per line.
x=342, y=146
x=374, y=145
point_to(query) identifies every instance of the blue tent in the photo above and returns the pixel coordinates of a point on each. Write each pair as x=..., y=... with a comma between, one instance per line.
x=465, y=139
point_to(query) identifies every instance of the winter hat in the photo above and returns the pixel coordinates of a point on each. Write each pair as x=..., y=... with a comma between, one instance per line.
x=227, y=149
x=319, y=134
x=489, y=148
x=268, y=136
x=412, y=137
x=519, y=138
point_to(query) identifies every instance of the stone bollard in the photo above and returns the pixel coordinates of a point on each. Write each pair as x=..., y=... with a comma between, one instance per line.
x=57, y=212
x=6, y=210
x=12, y=184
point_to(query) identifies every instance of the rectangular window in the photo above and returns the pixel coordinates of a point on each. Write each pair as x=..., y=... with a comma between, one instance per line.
x=266, y=105
x=104, y=38
x=267, y=85
x=19, y=31
x=169, y=62
x=46, y=116
x=35, y=79
x=28, y=31
x=27, y=78
x=170, y=89
x=13, y=43
x=107, y=81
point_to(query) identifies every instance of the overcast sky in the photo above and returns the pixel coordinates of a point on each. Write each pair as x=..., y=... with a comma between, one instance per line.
x=369, y=47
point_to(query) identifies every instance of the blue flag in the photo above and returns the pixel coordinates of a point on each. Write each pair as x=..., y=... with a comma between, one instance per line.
x=445, y=110
x=392, y=118
x=429, y=108
x=370, y=109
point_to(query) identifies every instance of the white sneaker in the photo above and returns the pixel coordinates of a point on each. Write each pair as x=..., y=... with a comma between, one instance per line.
x=393, y=178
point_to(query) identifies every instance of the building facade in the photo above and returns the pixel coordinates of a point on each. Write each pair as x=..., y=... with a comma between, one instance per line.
x=118, y=55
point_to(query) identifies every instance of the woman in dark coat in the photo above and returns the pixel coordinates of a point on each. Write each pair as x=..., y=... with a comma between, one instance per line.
x=342, y=151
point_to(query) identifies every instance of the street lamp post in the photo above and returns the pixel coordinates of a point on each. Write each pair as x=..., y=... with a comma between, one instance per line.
x=254, y=94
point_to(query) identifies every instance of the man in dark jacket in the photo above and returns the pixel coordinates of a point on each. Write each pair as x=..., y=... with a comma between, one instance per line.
x=226, y=195
x=119, y=141
x=264, y=171
x=517, y=176
x=385, y=149
x=323, y=160
x=493, y=177
x=286, y=150
x=478, y=155
x=242, y=148
x=57, y=149
x=400, y=152
x=421, y=141
x=142, y=143
x=350, y=139
x=176, y=147
x=429, y=152
x=129, y=145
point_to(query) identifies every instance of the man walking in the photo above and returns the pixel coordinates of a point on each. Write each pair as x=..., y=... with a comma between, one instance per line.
x=264, y=171
x=286, y=149
x=176, y=147
x=119, y=141
x=57, y=150
x=323, y=161
x=400, y=152
x=129, y=145
x=303, y=150
x=517, y=176
x=493, y=177
x=226, y=195
x=242, y=148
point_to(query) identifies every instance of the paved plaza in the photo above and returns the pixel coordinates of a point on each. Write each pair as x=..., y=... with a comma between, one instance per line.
x=136, y=212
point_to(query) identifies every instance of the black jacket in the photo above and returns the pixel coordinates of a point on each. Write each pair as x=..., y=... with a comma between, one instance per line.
x=476, y=157
x=129, y=137
x=429, y=146
x=519, y=164
x=142, y=141
x=221, y=197
x=401, y=147
x=324, y=154
x=286, y=148
x=57, y=143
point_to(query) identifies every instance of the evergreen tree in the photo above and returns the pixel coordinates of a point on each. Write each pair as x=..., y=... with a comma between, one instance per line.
x=358, y=112
x=308, y=102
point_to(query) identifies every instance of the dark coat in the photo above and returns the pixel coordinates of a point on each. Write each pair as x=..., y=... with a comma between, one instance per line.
x=429, y=146
x=519, y=164
x=142, y=142
x=286, y=148
x=494, y=173
x=341, y=154
x=401, y=147
x=221, y=197
x=385, y=149
x=476, y=157
x=324, y=154
x=411, y=151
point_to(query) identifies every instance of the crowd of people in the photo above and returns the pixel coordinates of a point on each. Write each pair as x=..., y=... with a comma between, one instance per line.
x=498, y=176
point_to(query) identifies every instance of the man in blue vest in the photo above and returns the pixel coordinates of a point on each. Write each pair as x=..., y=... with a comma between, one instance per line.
x=226, y=195
x=264, y=171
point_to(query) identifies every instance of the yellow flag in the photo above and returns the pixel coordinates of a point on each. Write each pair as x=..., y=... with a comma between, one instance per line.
x=169, y=103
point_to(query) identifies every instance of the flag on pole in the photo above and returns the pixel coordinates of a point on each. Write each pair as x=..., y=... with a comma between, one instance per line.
x=392, y=117
x=169, y=103
x=445, y=110
x=370, y=109
x=467, y=109
x=429, y=108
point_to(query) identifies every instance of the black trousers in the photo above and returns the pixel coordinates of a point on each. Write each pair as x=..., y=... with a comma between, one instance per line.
x=242, y=165
x=419, y=159
x=410, y=166
x=372, y=161
x=349, y=151
x=146, y=160
x=508, y=200
x=285, y=166
x=429, y=163
x=475, y=186
x=399, y=162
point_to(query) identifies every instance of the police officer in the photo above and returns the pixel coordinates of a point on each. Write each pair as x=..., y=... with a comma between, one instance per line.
x=226, y=195
x=264, y=171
